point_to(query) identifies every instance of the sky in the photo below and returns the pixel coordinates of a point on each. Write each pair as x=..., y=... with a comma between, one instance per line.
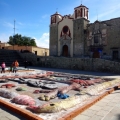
x=32, y=17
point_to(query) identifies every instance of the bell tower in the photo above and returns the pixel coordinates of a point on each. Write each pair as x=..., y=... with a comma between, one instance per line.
x=81, y=12
x=53, y=45
x=79, y=30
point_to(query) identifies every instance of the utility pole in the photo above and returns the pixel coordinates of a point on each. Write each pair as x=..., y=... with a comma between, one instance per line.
x=14, y=27
x=14, y=35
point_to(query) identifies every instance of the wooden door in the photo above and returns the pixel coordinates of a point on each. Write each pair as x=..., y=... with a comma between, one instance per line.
x=65, y=50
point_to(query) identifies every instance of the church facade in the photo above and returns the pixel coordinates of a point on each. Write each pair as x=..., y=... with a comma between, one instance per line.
x=74, y=36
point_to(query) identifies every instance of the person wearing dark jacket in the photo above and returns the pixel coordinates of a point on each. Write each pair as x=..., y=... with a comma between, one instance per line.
x=25, y=63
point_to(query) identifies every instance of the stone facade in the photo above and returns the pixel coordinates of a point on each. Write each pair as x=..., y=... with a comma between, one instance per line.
x=104, y=37
x=69, y=38
x=79, y=36
x=74, y=36
x=89, y=64
x=53, y=39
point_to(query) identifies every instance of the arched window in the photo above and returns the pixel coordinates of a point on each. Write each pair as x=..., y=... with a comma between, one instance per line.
x=84, y=12
x=81, y=12
x=75, y=13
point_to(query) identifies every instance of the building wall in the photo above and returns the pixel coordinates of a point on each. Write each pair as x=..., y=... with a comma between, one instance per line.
x=71, y=43
x=53, y=45
x=92, y=64
x=83, y=35
x=3, y=45
x=40, y=51
x=65, y=22
x=79, y=25
x=110, y=40
x=113, y=36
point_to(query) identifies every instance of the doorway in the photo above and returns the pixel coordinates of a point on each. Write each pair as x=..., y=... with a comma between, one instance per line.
x=96, y=54
x=65, y=51
x=35, y=52
x=115, y=55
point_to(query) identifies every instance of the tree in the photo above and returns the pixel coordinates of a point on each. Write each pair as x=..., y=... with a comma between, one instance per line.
x=18, y=39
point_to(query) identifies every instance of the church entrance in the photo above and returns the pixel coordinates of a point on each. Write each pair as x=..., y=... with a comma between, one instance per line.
x=96, y=54
x=65, y=51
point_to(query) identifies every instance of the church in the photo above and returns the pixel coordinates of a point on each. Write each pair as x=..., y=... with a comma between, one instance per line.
x=74, y=36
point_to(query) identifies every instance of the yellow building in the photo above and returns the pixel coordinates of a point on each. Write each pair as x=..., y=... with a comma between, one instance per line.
x=4, y=45
x=36, y=50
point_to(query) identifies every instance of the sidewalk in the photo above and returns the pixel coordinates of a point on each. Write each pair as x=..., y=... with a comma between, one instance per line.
x=6, y=114
x=102, y=74
x=106, y=109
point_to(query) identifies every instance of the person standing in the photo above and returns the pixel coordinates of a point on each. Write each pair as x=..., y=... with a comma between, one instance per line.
x=16, y=64
x=3, y=66
x=11, y=67
x=25, y=63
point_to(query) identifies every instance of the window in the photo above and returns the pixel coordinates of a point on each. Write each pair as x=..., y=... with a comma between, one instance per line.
x=65, y=29
x=45, y=53
x=96, y=38
x=104, y=54
x=35, y=52
x=38, y=59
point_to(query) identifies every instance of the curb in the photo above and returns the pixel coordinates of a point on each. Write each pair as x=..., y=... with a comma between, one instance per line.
x=17, y=110
x=76, y=112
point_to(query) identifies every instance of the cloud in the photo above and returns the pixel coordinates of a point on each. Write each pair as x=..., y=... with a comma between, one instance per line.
x=7, y=24
x=20, y=23
x=43, y=41
x=4, y=37
x=107, y=14
x=106, y=11
x=45, y=16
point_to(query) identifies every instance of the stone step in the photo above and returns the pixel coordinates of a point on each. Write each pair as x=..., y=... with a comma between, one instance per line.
x=8, y=56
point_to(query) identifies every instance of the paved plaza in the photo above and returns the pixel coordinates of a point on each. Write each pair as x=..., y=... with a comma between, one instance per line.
x=6, y=114
x=106, y=109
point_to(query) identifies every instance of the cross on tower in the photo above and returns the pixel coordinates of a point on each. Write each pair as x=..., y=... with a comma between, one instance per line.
x=81, y=2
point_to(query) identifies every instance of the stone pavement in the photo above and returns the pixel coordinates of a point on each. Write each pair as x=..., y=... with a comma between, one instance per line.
x=6, y=114
x=106, y=109
x=76, y=71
